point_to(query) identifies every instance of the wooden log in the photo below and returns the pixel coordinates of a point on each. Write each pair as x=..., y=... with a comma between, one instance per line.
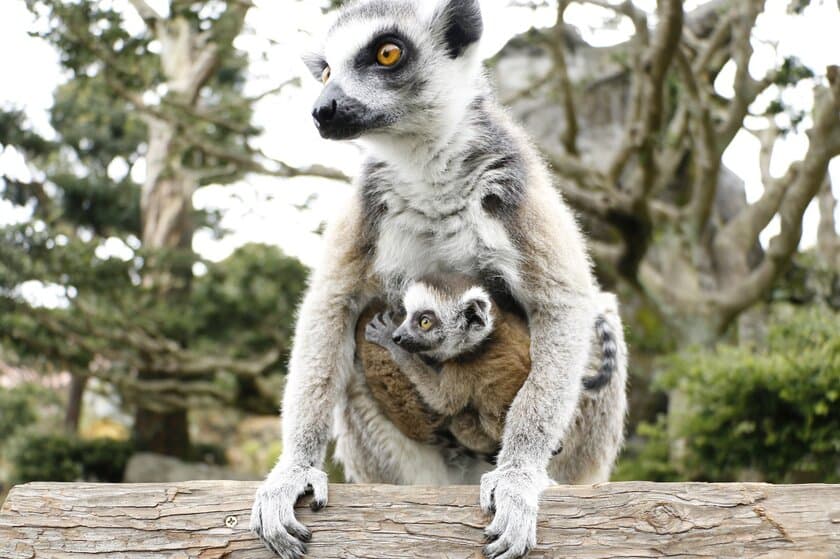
x=209, y=519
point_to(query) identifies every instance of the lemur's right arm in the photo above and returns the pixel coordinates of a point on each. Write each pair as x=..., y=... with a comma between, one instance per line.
x=321, y=359
x=430, y=383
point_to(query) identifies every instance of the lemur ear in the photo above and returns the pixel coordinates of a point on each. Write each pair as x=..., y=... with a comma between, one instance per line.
x=460, y=24
x=477, y=311
x=315, y=63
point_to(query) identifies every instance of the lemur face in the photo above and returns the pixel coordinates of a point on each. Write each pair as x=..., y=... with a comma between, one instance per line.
x=394, y=67
x=443, y=325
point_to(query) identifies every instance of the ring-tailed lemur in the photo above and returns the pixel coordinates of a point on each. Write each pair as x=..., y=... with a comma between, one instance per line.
x=466, y=360
x=450, y=184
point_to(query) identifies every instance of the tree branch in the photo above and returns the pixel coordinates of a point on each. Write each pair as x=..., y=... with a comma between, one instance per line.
x=705, y=157
x=746, y=88
x=828, y=241
x=808, y=177
x=273, y=90
x=147, y=13
x=558, y=51
x=248, y=163
x=641, y=132
x=244, y=161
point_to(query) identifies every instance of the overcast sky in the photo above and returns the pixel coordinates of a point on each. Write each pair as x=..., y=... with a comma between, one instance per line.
x=263, y=209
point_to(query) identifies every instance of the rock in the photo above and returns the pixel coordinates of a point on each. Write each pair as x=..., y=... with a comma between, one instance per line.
x=147, y=467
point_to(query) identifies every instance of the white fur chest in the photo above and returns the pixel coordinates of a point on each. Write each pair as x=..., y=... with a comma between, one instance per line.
x=440, y=227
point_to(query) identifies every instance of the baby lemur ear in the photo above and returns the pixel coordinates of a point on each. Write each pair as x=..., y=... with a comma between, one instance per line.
x=459, y=22
x=477, y=310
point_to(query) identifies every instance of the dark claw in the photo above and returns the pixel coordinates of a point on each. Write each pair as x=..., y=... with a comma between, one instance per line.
x=317, y=505
x=489, y=555
x=271, y=548
x=300, y=549
x=490, y=538
x=304, y=536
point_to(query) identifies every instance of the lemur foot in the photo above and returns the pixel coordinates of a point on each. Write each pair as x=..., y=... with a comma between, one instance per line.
x=272, y=516
x=512, y=496
x=381, y=329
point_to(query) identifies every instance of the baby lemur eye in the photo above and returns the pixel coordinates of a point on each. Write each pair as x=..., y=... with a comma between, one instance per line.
x=388, y=54
x=425, y=322
x=325, y=75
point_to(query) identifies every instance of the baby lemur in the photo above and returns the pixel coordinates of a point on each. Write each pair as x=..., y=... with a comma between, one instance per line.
x=465, y=360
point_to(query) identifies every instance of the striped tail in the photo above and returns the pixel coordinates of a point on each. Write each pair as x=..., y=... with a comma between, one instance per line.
x=609, y=349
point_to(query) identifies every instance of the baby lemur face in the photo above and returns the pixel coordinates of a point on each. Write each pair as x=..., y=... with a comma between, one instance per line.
x=444, y=319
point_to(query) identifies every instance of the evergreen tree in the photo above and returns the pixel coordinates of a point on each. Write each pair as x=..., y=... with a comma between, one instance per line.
x=172, y=97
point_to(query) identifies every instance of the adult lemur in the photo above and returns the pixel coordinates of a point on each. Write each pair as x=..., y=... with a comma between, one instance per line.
x=455, y=362
x=450, y=184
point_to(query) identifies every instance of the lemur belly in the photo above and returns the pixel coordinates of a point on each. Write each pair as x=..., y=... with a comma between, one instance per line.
x=449, y=233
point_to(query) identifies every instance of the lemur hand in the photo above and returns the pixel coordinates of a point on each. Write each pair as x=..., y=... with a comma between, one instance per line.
x=380, y=329
x=512, y=496
x=272, y=516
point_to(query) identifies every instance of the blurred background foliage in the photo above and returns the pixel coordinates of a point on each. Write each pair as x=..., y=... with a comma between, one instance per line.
x=158, y=350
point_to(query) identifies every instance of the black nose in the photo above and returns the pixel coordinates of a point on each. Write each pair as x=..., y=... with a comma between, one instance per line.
x=397, y=339
x=324, y=113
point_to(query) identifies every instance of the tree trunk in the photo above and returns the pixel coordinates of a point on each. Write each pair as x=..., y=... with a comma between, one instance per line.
x=166, y=205
x=162, y=433
x=74, y=403
x=637, y=519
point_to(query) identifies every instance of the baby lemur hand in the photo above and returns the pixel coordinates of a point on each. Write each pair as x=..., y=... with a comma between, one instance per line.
x=380, y=331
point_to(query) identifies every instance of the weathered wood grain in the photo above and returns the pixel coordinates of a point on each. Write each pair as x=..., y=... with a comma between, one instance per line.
x=209, y=519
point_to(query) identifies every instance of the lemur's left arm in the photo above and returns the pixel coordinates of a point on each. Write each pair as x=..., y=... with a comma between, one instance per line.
x=322, y=359
x=556, y=286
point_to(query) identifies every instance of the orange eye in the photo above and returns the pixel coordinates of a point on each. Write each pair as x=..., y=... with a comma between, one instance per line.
x=325, y=75
x=388, y=54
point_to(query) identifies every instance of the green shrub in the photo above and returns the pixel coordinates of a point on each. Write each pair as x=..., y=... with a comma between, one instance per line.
x=16, y=411
x=36, y=457
x=104, y=459
x=208, y=453
x=646, y=456
x=43, y=457
x=771, y=410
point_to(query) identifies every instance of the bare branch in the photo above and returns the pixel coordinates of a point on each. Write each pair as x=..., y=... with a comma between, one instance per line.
x=573, y=168
x=828, y=240
x=666, y=293
x=147, y=13
x=244, y=161
x=706, y=160
x=664, y=212
x=746, y=88
x=558, y=51
x=767, y=138
x=807, y=178
x=273, y=90
x=202, y=70
x=271, y=167
x=627, y=8
x=703, y=65
x=530, y=90
x=641, y=131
